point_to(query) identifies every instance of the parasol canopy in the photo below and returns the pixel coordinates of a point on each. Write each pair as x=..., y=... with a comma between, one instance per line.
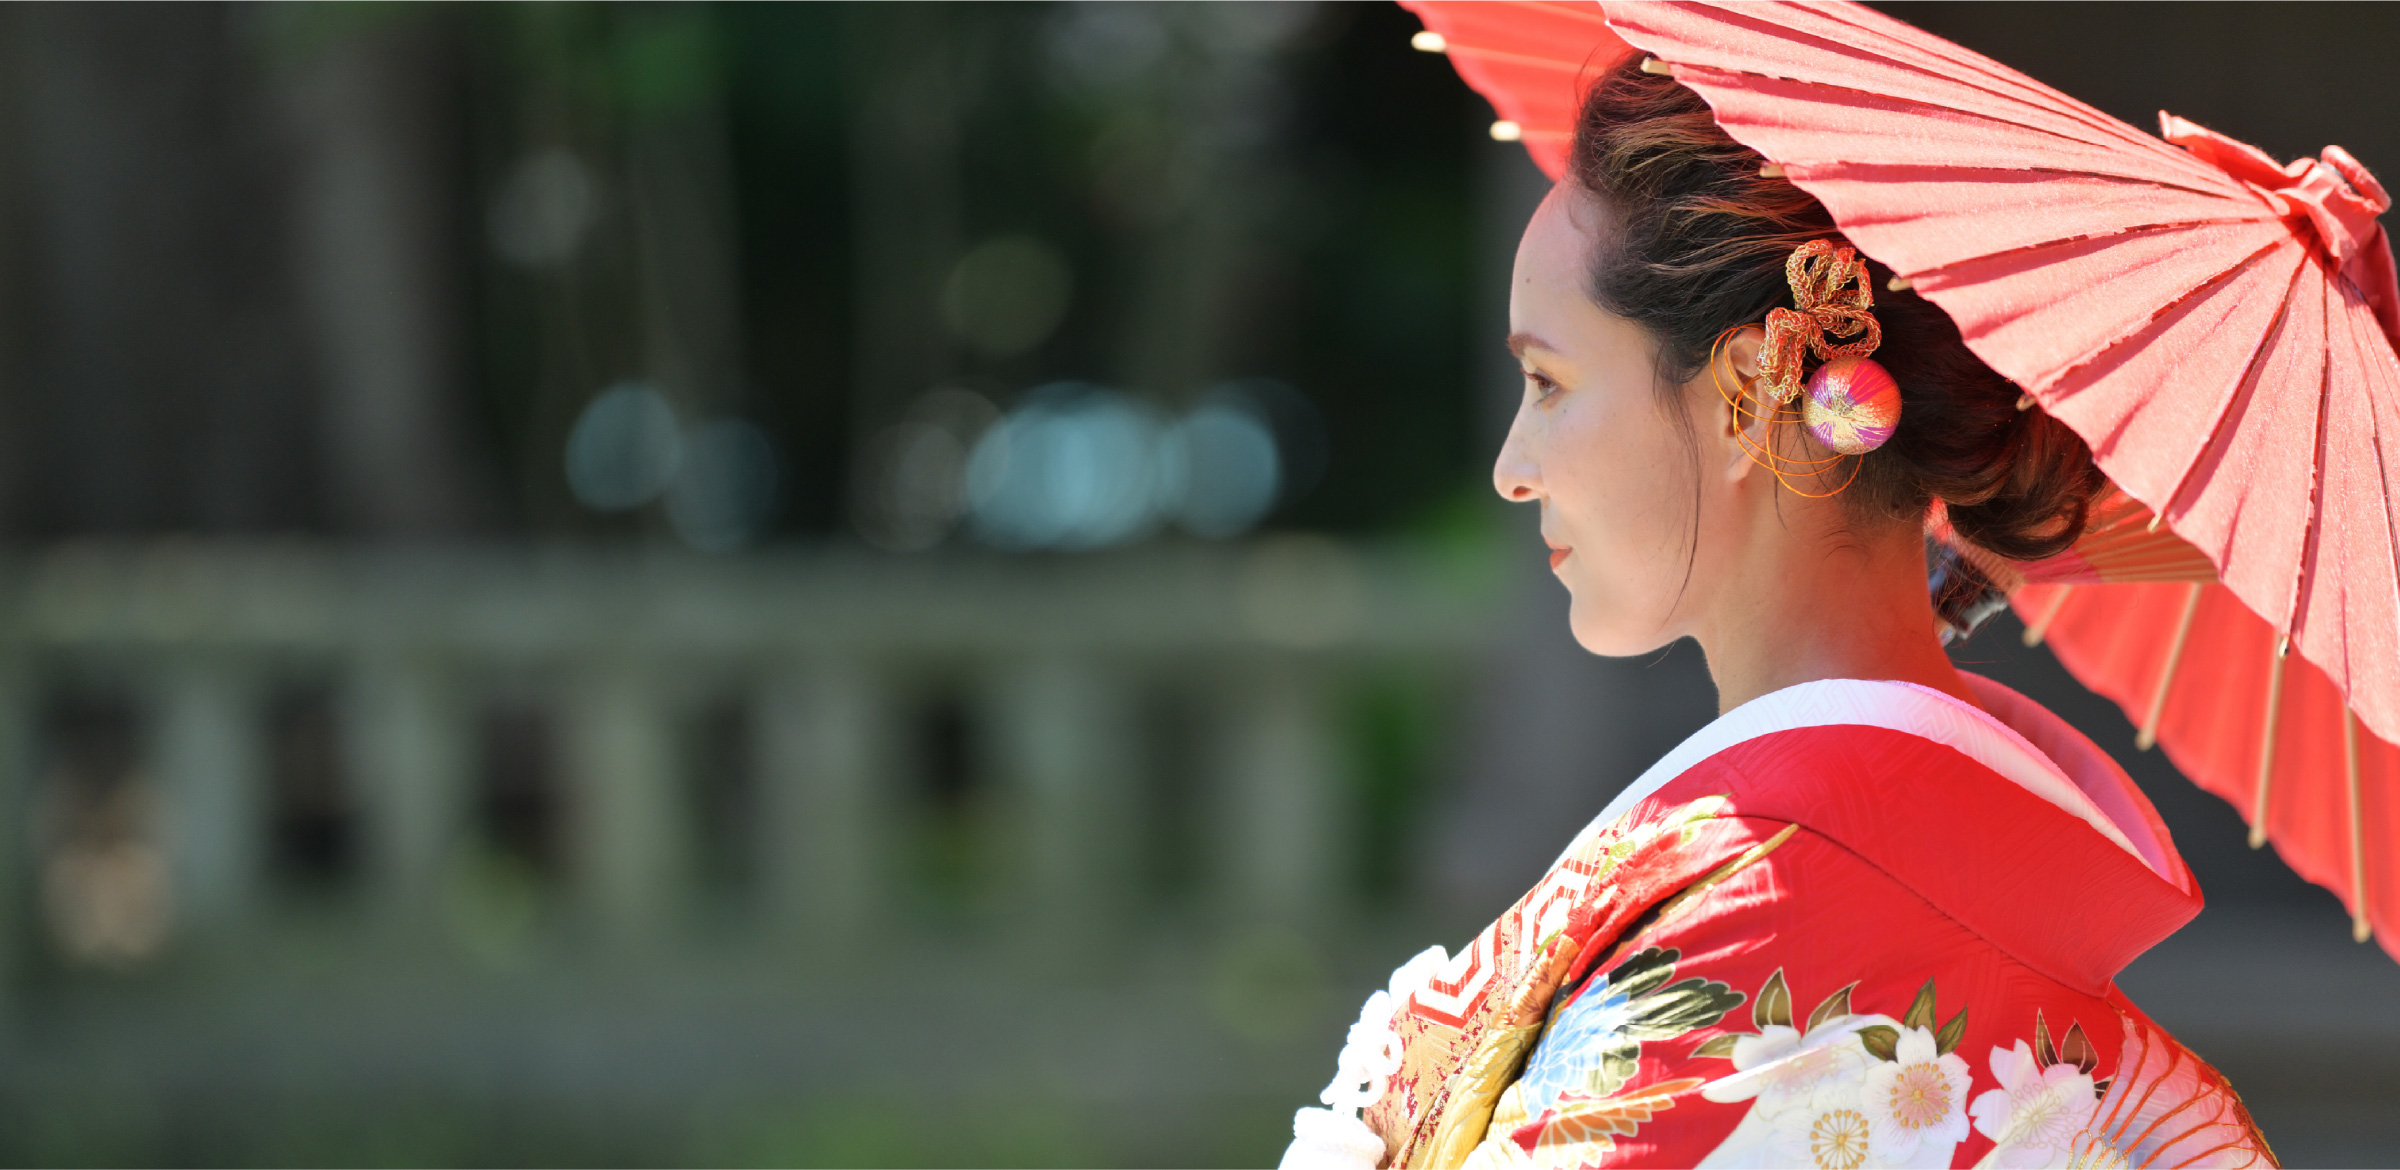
x=2217, y=326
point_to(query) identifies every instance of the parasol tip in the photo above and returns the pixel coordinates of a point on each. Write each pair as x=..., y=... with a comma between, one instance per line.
x=1657, y=68
x=2359, y=930
x=1429, y=41
x=2024, y=403
x=1770, y=171
x=1507, y=131
x=1899, y=284
x=2258, y=835
x=2145, y=740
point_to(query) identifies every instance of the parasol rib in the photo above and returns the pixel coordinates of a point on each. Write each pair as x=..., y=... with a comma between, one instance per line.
x=2359, y=929
x=2136, y=333
x=1846, y=60
x=2303, y=571
x=1581, y=13
x=2266, y=749
x=2242, y=391
x=1945, y=269
x=2220, y=435
x=2166, y=677
x=2209, y=183
x=2391, y=536
x=2034, y=632
x=1457, y=49
x=1942, y=61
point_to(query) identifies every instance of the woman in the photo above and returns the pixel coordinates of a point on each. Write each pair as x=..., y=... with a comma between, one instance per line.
x=1872, y=915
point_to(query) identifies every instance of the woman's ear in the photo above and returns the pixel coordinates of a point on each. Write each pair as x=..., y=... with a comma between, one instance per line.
x=1737, y=401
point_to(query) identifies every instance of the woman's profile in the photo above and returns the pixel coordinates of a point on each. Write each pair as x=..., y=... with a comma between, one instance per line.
x=1872, y=915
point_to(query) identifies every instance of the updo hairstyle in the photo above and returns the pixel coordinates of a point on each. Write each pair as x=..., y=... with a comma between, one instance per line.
x=1695, y=244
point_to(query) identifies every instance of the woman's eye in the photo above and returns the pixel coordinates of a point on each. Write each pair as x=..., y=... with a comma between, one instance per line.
x=1540, y=383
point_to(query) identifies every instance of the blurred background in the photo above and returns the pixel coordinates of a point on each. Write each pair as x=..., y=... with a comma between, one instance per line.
x=757, y=584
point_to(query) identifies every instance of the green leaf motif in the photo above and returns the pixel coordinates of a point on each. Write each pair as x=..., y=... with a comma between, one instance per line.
x=1835, y=1007
x=1946, y=1041
x=1774, y=1006
x=1692, y=1003
x=1644, y=972
x=1718, y=1047
x=2076, y=1049
x=1881, y=1041
x=1920, y=1013
x=1618, y=1062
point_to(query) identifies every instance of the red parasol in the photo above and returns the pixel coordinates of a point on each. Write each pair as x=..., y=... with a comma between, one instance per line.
x=2217, y=326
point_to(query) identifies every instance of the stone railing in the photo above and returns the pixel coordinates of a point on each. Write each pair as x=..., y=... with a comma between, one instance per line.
x=822, y=657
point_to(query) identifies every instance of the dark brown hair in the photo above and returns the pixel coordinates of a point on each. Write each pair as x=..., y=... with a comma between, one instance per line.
x=1695, y=244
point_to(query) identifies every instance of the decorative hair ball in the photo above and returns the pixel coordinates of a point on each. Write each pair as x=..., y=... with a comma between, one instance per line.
x=1852, y=405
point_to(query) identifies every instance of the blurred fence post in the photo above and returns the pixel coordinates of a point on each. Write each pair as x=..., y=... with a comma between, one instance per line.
x=1060, y=733
x=824, y=747
x=628, y=836
x=1282, y=784
x=407, y=752
x=210, y=759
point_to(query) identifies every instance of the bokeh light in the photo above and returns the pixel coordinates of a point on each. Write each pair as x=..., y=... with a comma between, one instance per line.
x=1007, y=295
x=624, y=449
x=911, y=489
x=1229, y=468
x=1075, y=467
x=724, y=494
x=544, y=209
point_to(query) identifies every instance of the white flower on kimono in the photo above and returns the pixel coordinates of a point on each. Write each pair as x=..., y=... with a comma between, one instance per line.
x=1781, y=1065
x=2037, y=1112
x=1918, y=1096
x=1829, y=1129
x=2164, y=1107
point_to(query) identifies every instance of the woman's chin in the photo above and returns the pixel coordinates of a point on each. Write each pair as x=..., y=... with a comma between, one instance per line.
x=1602, y=630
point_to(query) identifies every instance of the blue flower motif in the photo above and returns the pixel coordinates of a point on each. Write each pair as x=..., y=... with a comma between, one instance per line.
x=1577, y=1044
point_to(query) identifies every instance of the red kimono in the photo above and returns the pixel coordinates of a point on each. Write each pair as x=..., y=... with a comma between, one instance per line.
x=1849, y=924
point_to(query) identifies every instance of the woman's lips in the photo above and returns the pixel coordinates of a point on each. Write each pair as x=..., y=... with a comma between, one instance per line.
x=1558, y=555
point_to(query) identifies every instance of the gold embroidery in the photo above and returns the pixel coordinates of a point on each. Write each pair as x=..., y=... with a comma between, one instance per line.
x=1474, y=1093
x=1674, y=907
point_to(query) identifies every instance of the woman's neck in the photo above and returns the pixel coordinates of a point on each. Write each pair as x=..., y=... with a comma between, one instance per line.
x=1841, y=607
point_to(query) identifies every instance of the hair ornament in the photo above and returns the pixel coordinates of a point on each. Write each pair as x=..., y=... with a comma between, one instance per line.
x=1832, y=300
x=1853, y=403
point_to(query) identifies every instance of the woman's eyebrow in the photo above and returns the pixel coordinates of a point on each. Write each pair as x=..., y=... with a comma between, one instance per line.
x=1518, y=343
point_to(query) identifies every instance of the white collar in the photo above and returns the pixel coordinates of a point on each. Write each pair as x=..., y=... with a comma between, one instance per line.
x=2067, y=769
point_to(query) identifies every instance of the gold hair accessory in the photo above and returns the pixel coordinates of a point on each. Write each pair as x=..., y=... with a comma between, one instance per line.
x=1853, y=403
x=1832, y=299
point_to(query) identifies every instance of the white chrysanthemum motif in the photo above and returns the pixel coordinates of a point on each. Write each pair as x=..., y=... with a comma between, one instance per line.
x=1917, y=1099
x=1830, y=1130
x=1804, y=1087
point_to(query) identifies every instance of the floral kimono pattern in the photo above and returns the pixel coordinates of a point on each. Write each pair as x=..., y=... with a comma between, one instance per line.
x=1850, y=925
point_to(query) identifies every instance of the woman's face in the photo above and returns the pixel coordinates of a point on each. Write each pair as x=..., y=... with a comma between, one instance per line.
x=1616, y=474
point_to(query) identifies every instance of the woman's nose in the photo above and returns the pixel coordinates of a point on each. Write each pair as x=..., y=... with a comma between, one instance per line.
x=1514, y=475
